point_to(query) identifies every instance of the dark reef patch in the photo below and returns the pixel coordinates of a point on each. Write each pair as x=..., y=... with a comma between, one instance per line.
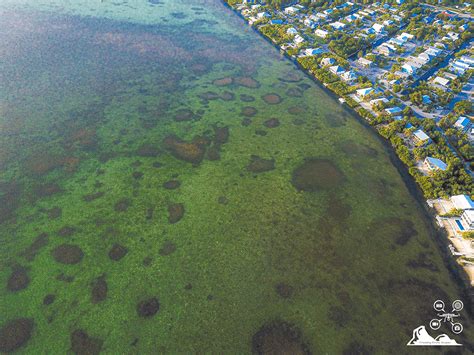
x=171, y=184
x=338, y=209
x=122, y=205
x=65, y=278
x=246, y=98
x=39, y=242
x=192, y=152
x=148, y=150
x=221, y=135
x=317, y=174
x=399, y=230
x=18, y=279
x=295, y=110
x=117, y=252
x=294, y=92
x=54, y=212
x=260, y=165
x=15, y=333
x=148, y=308
x=284, y=290
x=66, y=231
x=67, y=254
x=167, y=248
x=222, y=200
x=246, y=122
x=92, y=196
x=46, y=190
x=422, y=261
x=223, y=81
x=407, y=295
x=335, y=121
x=83, y=344
x=279, y=337
x=340, y=316
x=137, y=175
x=272, y=99
x=249, y=111
x=184, y=115
x=99, y=290
x=48, y=299
x=247, y=82
x=356, y=348
x=227, y=96
x=175, y=212
x=272, y=123
x=352, y=148
x=10, y=194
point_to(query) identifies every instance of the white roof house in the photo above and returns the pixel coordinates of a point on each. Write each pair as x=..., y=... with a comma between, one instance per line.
x=421, y=137
x=462, y=202
x=365, y=62
x=291, y=31
x=378, y=27
x=337, y=25
x=467, y=219
x=375, y=102
x=291, y=10
x=336, y=69
x=321, y=33
x=349, y=76
x=364, y=92
x=409, y=69
x=441, y=81
x=298, y=39
x=328, y=61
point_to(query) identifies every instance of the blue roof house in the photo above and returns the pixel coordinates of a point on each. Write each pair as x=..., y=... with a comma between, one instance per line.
x=426, y=100
x=463, y=124
x=393, y=110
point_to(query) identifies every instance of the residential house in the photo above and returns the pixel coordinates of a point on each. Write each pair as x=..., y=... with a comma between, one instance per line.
x=441, y=81
x=409, y=69
x=327, y=61
x=378, y=28
x=363, y=93
x=337, y=25
x=467, y=219
x=336, y=69
x=298, y=39
x=292, y=31
x=464, y=124
x=313, y=51
x=291, y=10
x=462, y=202
x=434, y=164
x=349, y=76
x=393, y=110
x=420, y=138
x=453, y=35
x=426, y=100
x=375, y=102
x=365, y=62
x=321, y=33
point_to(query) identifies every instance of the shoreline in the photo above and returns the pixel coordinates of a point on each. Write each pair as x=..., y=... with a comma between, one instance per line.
x=438, y=234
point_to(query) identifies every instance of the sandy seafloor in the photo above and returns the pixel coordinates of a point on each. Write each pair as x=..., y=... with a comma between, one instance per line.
x=170, y=184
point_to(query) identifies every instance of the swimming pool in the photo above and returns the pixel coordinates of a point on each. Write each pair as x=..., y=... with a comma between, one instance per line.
x=461, y=227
